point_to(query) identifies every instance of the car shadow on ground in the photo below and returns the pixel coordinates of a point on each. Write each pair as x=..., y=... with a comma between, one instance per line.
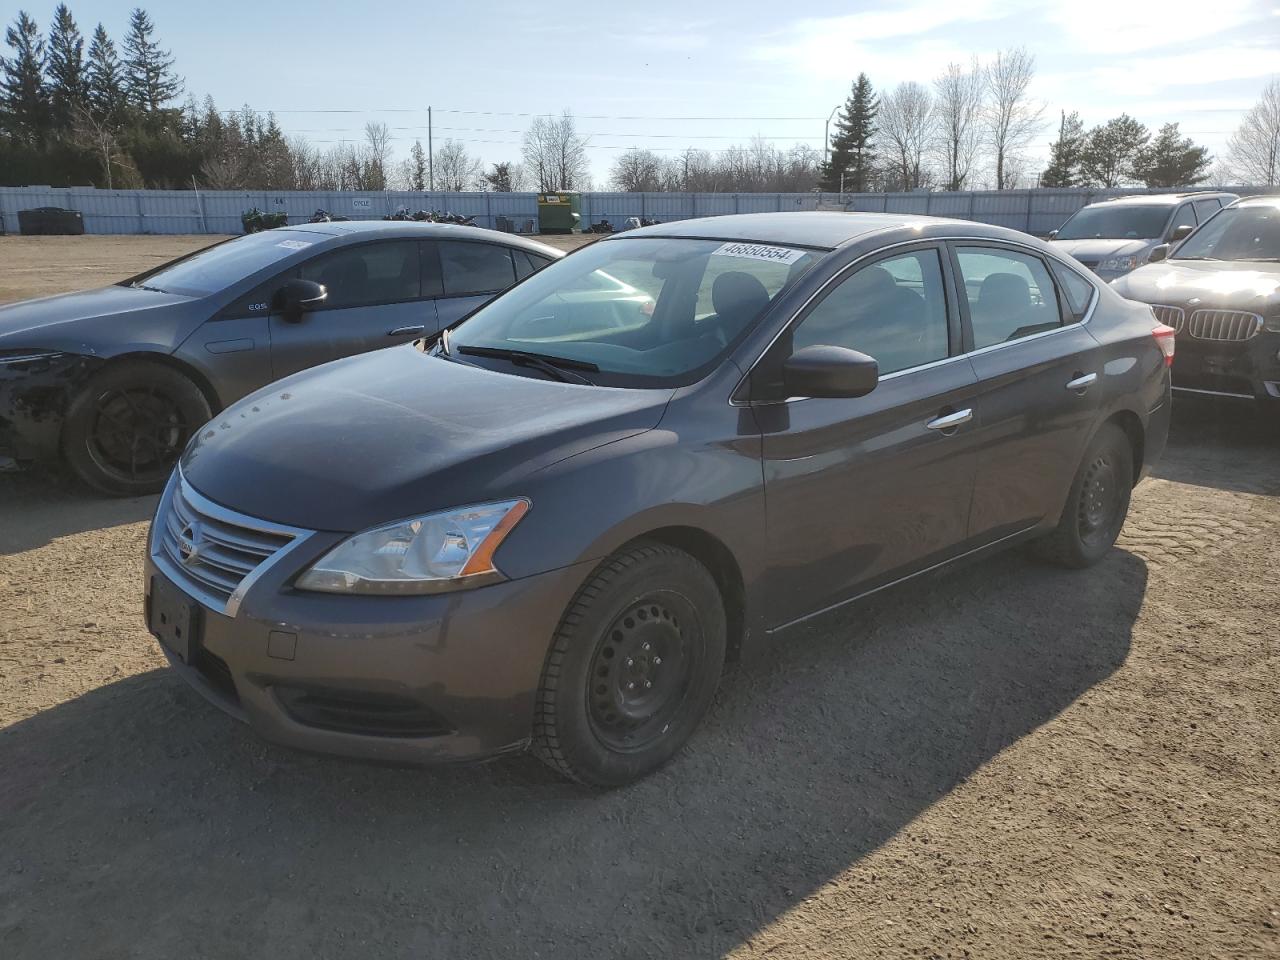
x=137, y=820
x=44, y=503
x=1225, y=444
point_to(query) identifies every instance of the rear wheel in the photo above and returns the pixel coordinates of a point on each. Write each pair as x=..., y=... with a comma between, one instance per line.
x=633, y=667
x=126, y=429
x=1097, y=504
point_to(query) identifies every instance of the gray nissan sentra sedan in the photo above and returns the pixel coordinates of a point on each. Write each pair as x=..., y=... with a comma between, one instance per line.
x=114, y=381
x=551, y=527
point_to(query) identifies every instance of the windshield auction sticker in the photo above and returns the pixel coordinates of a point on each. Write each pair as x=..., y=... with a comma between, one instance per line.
x=758, y=251
x=294, y=244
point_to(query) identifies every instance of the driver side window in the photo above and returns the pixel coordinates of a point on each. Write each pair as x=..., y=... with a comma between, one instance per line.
x=894, y=310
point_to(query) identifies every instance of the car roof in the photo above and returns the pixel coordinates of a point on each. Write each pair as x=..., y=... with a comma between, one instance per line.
x=823, y=229
x=377, y=229
x=1168, y=199
x=1265, y=200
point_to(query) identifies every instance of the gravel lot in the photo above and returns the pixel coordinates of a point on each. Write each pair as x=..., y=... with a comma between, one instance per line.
x=1009, y=761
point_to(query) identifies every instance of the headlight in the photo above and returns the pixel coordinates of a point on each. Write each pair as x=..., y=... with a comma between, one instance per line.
x=1120, y=264
x=450, y=550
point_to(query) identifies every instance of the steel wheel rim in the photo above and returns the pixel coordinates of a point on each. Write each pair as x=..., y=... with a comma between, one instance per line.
x=1099, y=500
x=642, y=672
x=137, y=433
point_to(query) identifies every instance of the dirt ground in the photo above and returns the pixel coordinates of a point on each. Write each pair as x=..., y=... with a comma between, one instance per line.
x=1010, y=761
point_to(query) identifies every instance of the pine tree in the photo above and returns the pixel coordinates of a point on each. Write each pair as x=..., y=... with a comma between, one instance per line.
x=852, y=155
x=68, y=85
x=1065, y=153
x=417, y=167
x=149, y=78
x=24, y=110
x=105, y=79
x=1112, y=150
x=1172, y=160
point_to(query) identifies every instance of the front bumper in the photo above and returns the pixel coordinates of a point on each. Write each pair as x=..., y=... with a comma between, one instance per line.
x=401, y=679
x=34, y=397
x=1248, y=369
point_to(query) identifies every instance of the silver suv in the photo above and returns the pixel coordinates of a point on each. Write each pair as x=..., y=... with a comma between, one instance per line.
x=1113, y=237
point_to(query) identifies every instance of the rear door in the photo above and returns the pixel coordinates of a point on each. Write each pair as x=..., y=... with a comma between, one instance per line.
x=472, y=273
x=1038, y=370
x=375, y=300
x=864, y=491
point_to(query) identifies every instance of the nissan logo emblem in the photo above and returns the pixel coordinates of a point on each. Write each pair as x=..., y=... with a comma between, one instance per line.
x=189, y=542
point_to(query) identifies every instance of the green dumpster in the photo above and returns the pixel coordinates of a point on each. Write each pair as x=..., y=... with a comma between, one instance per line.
x=559, y=212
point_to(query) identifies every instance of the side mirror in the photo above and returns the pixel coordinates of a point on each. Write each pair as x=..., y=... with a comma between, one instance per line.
x=1181, y=232
x=823, y=371
x=1158, y=253
x=1052, y=234
x=296, y=297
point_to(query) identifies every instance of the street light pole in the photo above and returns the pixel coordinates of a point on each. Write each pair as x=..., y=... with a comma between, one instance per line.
x=826, y=135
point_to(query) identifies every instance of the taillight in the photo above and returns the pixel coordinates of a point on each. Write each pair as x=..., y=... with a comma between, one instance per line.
x=1165, y=341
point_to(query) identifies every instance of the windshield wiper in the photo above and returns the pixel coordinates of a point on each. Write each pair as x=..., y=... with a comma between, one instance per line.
x=1259, y=259
x=563, y=369
x=143, y=286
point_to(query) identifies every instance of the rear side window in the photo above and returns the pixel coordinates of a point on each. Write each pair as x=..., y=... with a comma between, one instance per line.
x=894, y=310
x=1079, y=291
x=527, y=263
x=471, y=268
x=1010, y=294
x=1206, y=208
x=367, y=274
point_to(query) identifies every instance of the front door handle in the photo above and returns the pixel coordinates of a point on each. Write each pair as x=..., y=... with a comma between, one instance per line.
x=950, y=421
x=1083, y=382
x=410, y=331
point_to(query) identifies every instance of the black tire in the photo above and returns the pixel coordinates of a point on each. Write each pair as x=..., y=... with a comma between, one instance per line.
x=125, y=430
x=642, y=604
x=1097, y=505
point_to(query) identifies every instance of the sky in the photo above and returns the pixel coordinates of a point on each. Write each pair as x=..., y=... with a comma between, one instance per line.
x=665, y=75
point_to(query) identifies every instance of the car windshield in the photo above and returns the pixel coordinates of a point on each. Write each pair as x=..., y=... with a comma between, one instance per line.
x=637, y=311
x=217, y=267
x=1116, y=222
x=1237, y=233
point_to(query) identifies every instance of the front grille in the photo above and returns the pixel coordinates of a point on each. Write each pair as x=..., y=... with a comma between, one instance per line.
x=1230, y=325
x=211, y=550
x=1169, y=316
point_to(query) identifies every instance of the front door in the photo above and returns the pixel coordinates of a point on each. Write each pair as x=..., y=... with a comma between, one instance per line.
x=861, y=492
x=375, y=299
x=1039, y=381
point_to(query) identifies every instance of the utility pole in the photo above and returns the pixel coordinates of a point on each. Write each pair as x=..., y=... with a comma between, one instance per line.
x=826, y=135
x=431, y=156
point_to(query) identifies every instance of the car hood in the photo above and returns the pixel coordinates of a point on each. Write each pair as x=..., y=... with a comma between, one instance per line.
x=97, y=322
x=397, y=433
x=1212, y=284
x=1101, y=248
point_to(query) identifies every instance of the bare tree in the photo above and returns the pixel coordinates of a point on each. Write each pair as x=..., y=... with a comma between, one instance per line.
x=99, y=136
x=505, y=177
x=556, y=154
x=906, y=129
x=1013, y=118
x=636, y=171
x=455, y=169
x=958, y=121
x=377, y=154
x=1253, y=152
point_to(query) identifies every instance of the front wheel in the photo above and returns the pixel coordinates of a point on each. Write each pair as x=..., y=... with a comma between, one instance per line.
x=633, y=667
x=1097, y=504
x=126, y=429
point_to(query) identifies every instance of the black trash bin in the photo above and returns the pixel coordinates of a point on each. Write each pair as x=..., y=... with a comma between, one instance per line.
x=50, y=221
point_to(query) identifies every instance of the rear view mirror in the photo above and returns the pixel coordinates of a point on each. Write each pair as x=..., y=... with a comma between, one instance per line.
x=1158, y=253
x=1181, y=232
x=296, y=297
x=824, y=371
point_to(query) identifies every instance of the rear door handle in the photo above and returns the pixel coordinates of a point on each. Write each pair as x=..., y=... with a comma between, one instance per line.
x=1082, y=383
x=407, y=331
x=950, y=421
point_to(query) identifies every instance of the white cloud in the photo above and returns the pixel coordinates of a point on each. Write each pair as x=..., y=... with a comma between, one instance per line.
x=1109, y=27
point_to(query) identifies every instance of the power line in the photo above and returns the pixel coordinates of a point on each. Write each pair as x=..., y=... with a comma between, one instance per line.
x=499, y=113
